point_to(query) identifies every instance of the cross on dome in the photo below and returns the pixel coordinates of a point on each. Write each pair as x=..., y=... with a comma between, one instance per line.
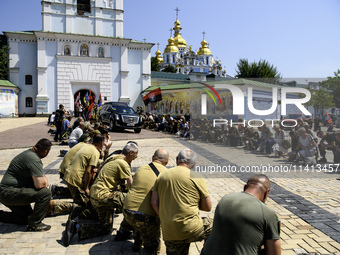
x=177, y=10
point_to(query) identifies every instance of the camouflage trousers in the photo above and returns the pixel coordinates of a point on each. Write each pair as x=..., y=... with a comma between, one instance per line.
x=79, y=196
x=86, y=210
x=105, y=210
x=61, y=207
x=181, y=247
x=146, y=229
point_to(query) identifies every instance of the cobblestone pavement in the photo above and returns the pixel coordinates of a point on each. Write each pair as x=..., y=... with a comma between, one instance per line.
x=307, y=202
x=25, y=132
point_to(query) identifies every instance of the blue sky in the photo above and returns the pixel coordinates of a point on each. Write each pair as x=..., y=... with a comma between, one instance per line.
x=300, y=37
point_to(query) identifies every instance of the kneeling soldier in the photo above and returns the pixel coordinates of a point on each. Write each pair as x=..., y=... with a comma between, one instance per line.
x=138, y=211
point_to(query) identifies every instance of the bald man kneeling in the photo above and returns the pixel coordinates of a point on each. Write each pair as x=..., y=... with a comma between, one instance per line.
x=243, y=223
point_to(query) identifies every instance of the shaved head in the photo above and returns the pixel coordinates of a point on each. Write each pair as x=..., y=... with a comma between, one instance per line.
x=161, y=155
x=259, y=186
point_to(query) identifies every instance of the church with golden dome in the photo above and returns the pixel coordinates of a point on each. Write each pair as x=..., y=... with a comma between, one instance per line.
x=181, y=56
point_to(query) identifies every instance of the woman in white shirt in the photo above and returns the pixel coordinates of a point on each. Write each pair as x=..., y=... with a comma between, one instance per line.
x=306, y=144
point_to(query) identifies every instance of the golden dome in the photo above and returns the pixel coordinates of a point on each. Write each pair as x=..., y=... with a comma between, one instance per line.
x=171, y=47
x=204, y=50
x=158, y=56
x=178, y=40
x=178, y=24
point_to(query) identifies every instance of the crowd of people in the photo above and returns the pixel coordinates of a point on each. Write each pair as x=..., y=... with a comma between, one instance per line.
x=155, y=199
x=298, y=143
x=178, y=125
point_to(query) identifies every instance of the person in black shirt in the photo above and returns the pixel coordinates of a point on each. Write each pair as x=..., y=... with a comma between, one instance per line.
x=328, y=138
x=58, y=121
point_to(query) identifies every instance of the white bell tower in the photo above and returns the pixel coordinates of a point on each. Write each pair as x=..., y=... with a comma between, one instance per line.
x=86, y=17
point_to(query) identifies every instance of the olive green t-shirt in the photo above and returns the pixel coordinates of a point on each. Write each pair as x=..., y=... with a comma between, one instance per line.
x=86, y=156
x=241, y=225
x=179, y=199
x=22, y=168
x=69, y=156
x=110, y=174
x=139, y=197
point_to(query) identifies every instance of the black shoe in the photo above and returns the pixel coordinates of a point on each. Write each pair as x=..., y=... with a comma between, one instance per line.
x=70, y=231
x=137, y=245
x=122, y=235
x=76, y=211
x=40, y=227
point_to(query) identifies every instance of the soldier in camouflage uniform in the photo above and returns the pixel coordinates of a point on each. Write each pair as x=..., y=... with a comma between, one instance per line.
x=137, y=207
x=177, y=197
x=104, y=196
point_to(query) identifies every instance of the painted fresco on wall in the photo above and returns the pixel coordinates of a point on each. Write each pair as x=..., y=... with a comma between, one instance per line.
x=7, y=102
x=172, y=103
x=190, y=103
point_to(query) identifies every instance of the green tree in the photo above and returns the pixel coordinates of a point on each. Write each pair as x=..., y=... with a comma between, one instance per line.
x=262, y=71
x=333, y=84
x=155, y=64
x=169, y=69
x=321, y=99
x=4, y=60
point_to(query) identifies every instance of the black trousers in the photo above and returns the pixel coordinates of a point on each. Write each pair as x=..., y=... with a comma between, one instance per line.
x=19, y=201
x=58, y=134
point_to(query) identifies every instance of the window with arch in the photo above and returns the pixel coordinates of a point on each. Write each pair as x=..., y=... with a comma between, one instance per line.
x=173, y=58
x=84, y=50
x=67, y=50
x=101, y=52
x=28, y=79
x=29, y=102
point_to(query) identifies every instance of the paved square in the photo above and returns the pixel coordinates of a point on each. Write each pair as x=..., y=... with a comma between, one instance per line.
x=307, y=202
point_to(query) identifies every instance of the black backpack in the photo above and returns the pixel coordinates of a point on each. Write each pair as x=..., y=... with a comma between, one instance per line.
x=58, y=116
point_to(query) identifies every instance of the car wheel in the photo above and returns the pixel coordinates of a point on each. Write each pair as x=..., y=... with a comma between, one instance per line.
x=112, y=125
x=137, y=130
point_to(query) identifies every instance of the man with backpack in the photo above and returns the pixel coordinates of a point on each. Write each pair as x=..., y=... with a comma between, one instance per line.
x=138, y=211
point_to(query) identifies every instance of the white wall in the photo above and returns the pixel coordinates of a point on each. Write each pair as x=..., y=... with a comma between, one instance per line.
x=135, y=81
x=27, y=64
